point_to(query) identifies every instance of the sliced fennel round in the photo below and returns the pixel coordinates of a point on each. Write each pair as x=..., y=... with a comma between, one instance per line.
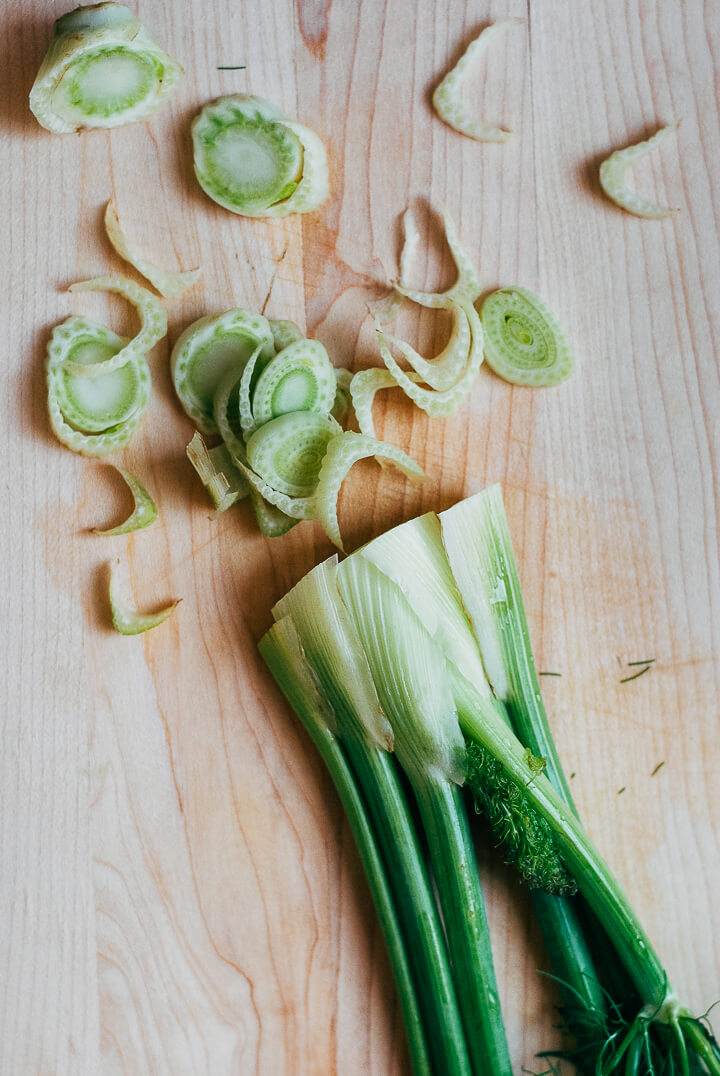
x=524, y=342
x=144, y=509
x=125, y=619
x=612, y=177
x=299, y=378
x=225, y=411
x=103, y=69
x=253, y=161
x=168, y=283
x=343, y=451
x=153, y=325
x=93, y=416
x=447, y=100
x=206, y=351
x=466, y=288
x=287, y=451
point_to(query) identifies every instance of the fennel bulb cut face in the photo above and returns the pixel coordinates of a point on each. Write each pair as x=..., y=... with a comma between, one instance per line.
x=103, y=69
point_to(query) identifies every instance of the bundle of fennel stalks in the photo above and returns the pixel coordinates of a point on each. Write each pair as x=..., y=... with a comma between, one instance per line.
x=413, y=655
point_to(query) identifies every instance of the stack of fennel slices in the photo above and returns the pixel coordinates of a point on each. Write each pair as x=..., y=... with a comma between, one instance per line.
x=276, y=402
x=413, y=657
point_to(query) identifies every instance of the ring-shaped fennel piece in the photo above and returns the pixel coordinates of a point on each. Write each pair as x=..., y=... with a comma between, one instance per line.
x=205, y=352
x=153, y=324
x=126, y=620
x=168, y=283
x=287, y=451
x=447, y=100
x=524, y=342
x=217, y=472
x=612, y=177
x=93, y=416
x=252, y=160
x=299, y=378
x=343, y=451
x=438, y=403
x=144, y=509
x=102, y=69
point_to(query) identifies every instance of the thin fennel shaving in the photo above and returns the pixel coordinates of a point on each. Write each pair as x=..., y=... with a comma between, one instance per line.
x=612, y=177
x=125, y=619
x=168, y=283
x=447, y=100
x=144, y=509
x=103, y=69
x=252, y=160
x=153, y=324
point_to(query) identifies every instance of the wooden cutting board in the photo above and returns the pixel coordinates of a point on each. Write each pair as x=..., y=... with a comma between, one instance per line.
x=180, y=893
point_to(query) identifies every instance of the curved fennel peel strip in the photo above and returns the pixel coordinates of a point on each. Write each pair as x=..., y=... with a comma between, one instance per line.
x=299, y=378
x=204, y=353
x=168, y=283
x=445, y=370
x=153, y=324
x=252, y=160
x=447, y=100
x=144, y=511
x=466, y=288
x=343, y=451
x=388, y=308
x=102, y=69
x=215, y=468
x=438, y=403
x=363, y=387
x=612, y=177
x=248, y=424
x=524, y=342
x=125, y=619
x=93, y=416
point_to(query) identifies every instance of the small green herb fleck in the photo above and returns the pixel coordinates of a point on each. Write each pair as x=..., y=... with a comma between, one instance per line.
x=240, y=68
x=549, y=674
x=626, y=679
x=645, y=661
x=621, y=790
x=659, y=766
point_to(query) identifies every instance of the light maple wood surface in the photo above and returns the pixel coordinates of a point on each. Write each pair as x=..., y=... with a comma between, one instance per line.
x=179, y=893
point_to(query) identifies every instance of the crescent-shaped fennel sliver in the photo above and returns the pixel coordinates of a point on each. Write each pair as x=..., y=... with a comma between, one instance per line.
x=612, y=177
x=446, y=98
